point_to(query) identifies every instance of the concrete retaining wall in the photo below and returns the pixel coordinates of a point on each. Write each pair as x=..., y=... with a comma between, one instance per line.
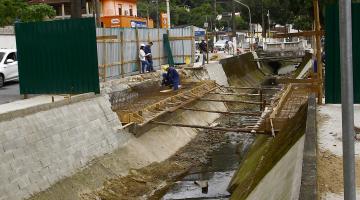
x=39, y=149
x=284, y=179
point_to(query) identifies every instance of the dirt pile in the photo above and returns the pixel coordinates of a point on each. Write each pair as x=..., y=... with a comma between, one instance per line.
x=330, y=173
x=153, y=181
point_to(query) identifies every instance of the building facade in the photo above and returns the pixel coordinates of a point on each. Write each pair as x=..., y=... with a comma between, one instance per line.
x=114, y=13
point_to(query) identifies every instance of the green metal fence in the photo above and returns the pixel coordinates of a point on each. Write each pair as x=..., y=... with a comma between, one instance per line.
x=57, y=57
x=332, y=49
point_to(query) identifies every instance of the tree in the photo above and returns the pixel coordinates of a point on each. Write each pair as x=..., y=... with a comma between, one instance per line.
x=13, y=10
x=240, y=24
x=37, y=12
x=10, y=11
x=302, y=22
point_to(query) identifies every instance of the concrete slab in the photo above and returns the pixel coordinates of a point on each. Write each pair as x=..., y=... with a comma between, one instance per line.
x=330, y=129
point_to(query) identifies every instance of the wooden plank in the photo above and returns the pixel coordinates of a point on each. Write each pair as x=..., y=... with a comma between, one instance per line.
x=122, y=55
x=181, y=38
x=106, y=37
x=224, y=129
x=137, y=49
x=135, y=61
x=288, y=80
x=251, y=88
x=236, y=94
x=224, y=112
x=232, y=101
x=318, y=50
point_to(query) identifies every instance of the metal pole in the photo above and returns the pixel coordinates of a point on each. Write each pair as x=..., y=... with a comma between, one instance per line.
x=250, y=26
x=233, y=19
x=269, y=24
x=97, y=13
x=347, y=99
x=168, y=13
x=157, y=14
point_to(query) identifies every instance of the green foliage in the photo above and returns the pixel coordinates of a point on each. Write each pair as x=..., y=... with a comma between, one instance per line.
x=37, y=12
x=240, y=23
x=302, y=22
x=12, y=10
x=297, y=12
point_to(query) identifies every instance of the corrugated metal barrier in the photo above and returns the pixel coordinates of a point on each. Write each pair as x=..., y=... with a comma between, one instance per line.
x=332, y=49
x=57, y=57
x=118, y=48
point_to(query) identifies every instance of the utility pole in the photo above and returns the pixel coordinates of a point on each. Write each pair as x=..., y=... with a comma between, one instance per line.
x=157, y=14
x=250, y=23
x=269, y=24
x=263, y=21
x=75, y=9
x=215, y=20
x=347, y=97
x=168, y=13
x=233, y=19
x=97, y=13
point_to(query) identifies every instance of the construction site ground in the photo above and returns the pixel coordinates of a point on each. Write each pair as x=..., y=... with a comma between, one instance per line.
x=330, y=164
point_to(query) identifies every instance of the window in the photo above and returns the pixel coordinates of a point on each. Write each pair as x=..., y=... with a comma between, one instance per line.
x=1, y=56
x=120, y=9
x=11, y=56
x=131, y=10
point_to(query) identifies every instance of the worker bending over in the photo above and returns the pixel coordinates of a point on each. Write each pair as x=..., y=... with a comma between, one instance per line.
x=171, y=77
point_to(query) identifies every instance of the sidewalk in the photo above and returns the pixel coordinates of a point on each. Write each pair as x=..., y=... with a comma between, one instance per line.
x=27, y=103
x=330, y=170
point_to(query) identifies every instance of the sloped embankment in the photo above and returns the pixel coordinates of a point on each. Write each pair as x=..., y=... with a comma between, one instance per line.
x=264, y=154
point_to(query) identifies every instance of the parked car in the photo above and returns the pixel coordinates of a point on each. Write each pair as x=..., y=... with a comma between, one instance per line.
x=220, y=45
x=8, y=66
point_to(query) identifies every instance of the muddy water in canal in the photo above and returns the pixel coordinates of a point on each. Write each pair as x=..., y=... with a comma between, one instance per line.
x=216, y=174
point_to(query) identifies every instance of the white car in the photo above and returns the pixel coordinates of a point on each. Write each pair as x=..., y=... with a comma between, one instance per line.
x=220, y=45
x=8, y=66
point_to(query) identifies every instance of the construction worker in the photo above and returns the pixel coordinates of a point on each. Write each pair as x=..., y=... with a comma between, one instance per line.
x=144, y=62
x=203, y=50
x=171, y=77
x=147, y=50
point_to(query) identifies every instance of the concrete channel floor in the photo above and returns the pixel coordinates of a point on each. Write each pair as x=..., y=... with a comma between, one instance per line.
x=330, y=175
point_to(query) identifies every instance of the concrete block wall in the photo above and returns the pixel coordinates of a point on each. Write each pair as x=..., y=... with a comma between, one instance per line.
x=37, y=150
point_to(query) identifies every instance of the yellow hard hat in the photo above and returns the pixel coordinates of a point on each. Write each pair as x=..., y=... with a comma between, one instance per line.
x=165, y=67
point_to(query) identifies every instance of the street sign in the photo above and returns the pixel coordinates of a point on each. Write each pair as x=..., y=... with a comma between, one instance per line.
x=199, y=33
x=206, y=24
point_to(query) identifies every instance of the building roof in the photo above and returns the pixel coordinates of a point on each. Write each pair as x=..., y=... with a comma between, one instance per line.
x=66, y=1
x=49, y=1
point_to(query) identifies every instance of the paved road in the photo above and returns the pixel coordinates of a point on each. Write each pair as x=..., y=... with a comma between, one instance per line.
x=10, y=92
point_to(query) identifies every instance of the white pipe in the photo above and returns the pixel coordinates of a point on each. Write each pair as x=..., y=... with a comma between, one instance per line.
x=168, y=12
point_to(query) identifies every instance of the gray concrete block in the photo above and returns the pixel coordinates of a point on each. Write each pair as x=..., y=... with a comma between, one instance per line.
x=20, y=142
x=9, y=146
x=19, y=153
x=11, y=134
x=32, y=138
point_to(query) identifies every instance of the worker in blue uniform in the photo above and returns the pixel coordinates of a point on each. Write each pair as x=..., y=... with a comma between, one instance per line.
x=171, y=77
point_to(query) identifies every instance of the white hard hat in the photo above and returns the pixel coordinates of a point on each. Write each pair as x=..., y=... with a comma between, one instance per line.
x=142, y=45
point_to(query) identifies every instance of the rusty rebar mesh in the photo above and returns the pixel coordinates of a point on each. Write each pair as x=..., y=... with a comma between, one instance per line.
x=142, y=97
x=297, y=97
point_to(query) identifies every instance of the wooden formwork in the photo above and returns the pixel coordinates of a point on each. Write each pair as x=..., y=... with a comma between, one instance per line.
x=169, y=104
